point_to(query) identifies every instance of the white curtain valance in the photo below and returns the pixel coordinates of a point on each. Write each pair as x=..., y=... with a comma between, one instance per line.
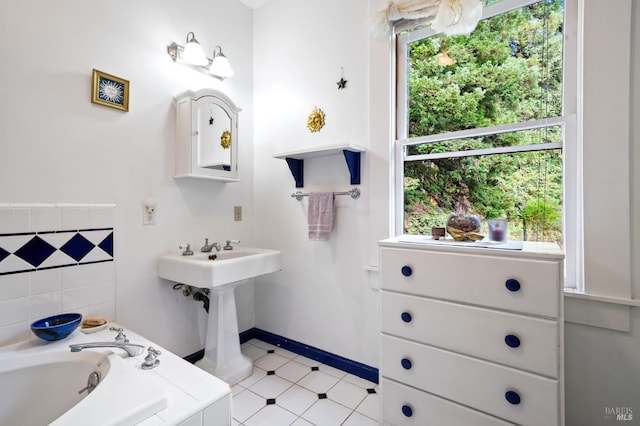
x=452, y=17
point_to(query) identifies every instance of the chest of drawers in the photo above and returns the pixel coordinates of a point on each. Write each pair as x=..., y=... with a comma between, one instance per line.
x=471, y=336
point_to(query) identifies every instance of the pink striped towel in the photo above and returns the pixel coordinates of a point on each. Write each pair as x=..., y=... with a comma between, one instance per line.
x=320, y=216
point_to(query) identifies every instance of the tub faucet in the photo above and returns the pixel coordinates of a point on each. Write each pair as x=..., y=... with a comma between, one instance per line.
x=130, y=348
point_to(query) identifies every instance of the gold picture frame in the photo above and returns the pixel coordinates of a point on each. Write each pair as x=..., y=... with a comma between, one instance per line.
x=109, y=90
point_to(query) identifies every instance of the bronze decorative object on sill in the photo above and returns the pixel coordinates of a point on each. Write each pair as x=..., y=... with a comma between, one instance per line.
x=464, y=228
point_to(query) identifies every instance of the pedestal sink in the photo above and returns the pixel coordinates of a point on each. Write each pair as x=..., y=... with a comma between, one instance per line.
x=229, y=269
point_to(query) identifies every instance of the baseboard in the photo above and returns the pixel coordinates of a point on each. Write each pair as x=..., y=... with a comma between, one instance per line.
x=353, y=367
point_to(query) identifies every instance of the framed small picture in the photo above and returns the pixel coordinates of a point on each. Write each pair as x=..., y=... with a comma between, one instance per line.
x=109, y=90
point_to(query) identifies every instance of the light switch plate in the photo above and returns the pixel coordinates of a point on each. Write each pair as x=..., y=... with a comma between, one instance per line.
x=237, y=213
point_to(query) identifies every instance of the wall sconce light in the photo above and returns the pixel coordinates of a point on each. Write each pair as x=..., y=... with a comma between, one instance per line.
x=193, y=55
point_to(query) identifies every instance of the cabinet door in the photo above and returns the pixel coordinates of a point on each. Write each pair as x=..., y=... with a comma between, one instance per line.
x=519, y=341
x=518, y=285
x=504, y=392
x=403, y=405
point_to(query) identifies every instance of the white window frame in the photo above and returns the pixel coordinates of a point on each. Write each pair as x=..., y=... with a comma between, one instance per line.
x=569, y=120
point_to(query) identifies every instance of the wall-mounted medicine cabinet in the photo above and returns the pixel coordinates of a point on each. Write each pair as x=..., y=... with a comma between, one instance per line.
x=206, y=136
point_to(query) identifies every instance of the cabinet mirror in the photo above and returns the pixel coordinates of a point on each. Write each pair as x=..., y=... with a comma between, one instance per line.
x=207, y=136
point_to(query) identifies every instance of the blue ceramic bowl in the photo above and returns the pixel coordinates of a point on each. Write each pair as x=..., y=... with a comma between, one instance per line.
x=56, y=327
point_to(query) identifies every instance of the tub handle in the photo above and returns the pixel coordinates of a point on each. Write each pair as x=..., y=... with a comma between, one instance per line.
x=92, y=383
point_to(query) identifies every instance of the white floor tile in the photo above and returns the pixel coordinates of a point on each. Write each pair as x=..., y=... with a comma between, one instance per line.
x=256, y=375
x=357, y=419
x=293, y=371
x=253, y=352
x=271, y=415
x=271, y=362
x=347, y=394
x=271, y=386
x=295, y=388
x=326, y=413
x=307, y=361
x=333, y=371
x=246, y=405
x=285, y=353
x=318, y=382
x=365, y=384
x=370, y=407
x=264, y=345
x=297, y=399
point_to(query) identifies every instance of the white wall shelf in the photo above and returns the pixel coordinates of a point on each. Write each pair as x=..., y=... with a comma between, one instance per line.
x=295, y=160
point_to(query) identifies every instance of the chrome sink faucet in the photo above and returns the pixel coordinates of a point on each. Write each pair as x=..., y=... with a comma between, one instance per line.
x=206, y=248
x=130, y=348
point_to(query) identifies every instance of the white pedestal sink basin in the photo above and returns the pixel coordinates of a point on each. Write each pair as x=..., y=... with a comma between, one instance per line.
x=229, y=269
x=229, y=266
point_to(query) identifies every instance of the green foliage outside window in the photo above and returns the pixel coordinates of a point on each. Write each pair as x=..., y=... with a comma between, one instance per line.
x=509, y=70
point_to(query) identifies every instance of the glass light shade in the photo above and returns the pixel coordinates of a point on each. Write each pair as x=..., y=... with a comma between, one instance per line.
x=193, y=53
x=220, y=65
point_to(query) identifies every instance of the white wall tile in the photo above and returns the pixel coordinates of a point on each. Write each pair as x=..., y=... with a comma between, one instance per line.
x=13, y=286
x=46, y=219
x=14, y=310
x=195, y=420
x=88, y=274
x=44, y=305
x=45, y=281
x=80, y=297
x=75, y=217
x=15, y=333
x=14, y=220
x=102, y=216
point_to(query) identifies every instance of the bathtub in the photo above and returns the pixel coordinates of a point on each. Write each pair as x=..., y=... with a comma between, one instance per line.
x=40, y=384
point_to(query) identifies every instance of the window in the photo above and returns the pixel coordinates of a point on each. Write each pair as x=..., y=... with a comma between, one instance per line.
x=486, y=125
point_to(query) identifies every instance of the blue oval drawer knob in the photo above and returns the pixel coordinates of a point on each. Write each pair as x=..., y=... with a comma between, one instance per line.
x=512, y=284
x=407, y=271
x=406, y=317
x=512, y=397
x=407, y=411
x=512, y=340
x=406, y=363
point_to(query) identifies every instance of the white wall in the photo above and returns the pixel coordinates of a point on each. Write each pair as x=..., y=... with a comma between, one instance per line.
x=58, y=147
x=323, y=297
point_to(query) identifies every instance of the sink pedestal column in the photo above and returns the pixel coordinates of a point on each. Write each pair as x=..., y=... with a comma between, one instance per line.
x=222, y=356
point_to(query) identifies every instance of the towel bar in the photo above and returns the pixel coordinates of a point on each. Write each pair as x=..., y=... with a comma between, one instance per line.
x=353, y=192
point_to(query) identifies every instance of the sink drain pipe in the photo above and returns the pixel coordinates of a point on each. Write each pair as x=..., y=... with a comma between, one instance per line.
x=199, y=294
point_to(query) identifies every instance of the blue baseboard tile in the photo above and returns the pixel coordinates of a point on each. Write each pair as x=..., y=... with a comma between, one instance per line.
x=353, y=367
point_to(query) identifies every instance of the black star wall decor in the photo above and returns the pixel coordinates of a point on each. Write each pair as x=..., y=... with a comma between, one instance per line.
x=342, y=84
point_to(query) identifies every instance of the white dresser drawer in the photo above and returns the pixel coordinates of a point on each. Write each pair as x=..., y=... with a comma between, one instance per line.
x=403, y=405
x=520, y=285
x=510, y=394
x=519, y=341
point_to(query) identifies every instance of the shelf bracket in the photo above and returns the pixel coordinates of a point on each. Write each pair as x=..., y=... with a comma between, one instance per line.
x=297, y=170
x=353, y=163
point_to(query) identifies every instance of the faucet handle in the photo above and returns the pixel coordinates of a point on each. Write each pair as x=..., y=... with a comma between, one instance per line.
x=229, y=246
x=150, y=361
x=121, y=337
x=187, y=249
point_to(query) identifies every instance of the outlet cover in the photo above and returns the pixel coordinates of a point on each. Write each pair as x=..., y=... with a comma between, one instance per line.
x=237, y=213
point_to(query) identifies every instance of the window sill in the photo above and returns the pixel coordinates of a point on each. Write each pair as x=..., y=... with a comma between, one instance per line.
x=612, y=313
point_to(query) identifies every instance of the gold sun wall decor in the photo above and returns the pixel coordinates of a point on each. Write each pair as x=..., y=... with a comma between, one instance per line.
x=225, y=139
x=315, y=121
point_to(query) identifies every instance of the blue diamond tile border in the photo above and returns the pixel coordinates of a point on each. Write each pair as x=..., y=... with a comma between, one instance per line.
x=36, y=250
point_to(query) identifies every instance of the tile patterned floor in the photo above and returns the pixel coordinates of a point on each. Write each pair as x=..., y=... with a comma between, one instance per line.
x=288, y=389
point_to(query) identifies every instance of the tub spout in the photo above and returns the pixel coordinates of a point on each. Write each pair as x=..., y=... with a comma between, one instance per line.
x=130, y=348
